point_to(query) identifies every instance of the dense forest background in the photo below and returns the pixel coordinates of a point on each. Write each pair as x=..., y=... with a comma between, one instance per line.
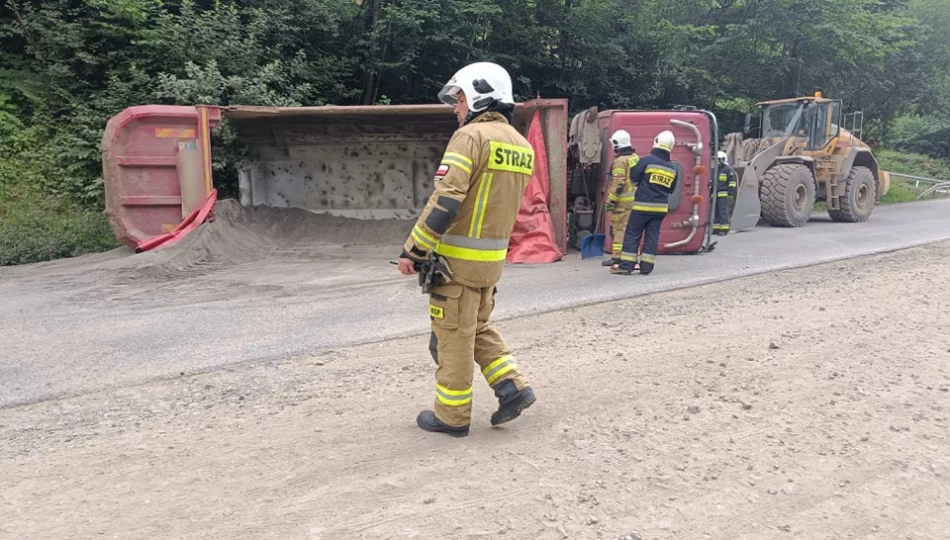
x=67, y=66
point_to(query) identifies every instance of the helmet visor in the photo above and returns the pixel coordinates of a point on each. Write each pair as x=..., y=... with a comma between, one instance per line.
x=449, y=94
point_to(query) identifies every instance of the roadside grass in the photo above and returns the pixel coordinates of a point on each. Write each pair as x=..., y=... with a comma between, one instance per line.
x=35, y=228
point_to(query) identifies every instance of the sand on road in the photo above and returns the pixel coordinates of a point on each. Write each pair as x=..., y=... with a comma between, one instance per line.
x=811, y=403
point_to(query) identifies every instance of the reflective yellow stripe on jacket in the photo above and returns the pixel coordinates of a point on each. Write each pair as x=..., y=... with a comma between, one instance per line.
x=460, y=161
x=473, y=249
x=481, y=203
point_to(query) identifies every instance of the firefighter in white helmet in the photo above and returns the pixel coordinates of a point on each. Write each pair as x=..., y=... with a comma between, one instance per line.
x=620, y=191
x=467, y=223
x=725, y=194
x=654, y=178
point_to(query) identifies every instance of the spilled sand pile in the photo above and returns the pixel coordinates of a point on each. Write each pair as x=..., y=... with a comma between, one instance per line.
x=239, y=235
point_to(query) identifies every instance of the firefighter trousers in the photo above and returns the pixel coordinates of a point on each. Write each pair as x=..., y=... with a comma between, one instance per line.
x=618, y=220
x=463, y=335
x=721, y=222
x=646, y=227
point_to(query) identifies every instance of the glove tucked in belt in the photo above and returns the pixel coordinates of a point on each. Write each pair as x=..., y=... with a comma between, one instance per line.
x=433, y=272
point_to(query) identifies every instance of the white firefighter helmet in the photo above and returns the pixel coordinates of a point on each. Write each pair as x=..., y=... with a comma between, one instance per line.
x=482, y=82
x=722, y=157
x=620, y=139
x=665, y=140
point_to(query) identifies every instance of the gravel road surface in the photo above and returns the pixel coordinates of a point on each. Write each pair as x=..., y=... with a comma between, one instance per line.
x=809, y=403
x=100, y=322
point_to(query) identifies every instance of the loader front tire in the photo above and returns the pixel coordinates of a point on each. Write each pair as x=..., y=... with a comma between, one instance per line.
x=857, y=201
x=787, y=195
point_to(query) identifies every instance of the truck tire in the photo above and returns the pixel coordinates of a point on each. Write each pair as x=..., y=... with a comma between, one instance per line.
x=787, y=195
x=857, y=201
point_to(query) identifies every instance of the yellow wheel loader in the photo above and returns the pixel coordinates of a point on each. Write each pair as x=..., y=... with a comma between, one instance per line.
x=803, y=155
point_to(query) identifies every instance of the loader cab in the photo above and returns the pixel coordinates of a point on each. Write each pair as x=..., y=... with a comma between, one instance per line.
x=816, y=120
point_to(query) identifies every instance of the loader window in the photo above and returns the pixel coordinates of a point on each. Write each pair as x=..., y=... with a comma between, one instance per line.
x=782, y=120
x=825, y=124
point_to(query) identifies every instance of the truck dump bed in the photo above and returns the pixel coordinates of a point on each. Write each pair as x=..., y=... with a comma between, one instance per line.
x=372, y=162
x=355, y=162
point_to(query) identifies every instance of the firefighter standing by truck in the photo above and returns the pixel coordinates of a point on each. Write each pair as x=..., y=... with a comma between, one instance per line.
x=654, y=178
x=725, y=195
x=620, y=191
x=466, y=224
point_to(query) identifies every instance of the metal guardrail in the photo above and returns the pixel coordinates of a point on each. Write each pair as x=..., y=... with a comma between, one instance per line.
x=936, y=188
x=937, y=185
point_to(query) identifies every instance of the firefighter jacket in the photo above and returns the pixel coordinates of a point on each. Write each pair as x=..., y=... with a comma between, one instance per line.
x=654, y=178
x=728, y=181
x=479, y=185
x=620, y=191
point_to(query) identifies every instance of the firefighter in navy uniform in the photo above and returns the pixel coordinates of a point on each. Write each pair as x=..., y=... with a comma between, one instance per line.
x=467, y=221
x=725, y=195
x=654, y=178
x=620, y=191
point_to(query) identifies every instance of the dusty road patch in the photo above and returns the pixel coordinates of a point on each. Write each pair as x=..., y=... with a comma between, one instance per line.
x=811, y=403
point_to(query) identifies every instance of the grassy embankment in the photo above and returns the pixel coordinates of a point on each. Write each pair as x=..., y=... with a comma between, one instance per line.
x=36, y=225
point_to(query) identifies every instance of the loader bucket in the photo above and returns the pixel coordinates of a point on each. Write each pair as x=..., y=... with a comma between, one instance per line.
x=745, y=214
x=748, y=208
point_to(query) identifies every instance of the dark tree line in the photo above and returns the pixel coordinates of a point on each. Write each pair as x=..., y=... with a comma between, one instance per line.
x=66, y=66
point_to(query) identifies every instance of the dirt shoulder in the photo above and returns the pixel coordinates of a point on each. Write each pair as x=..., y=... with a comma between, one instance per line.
x=811, y=403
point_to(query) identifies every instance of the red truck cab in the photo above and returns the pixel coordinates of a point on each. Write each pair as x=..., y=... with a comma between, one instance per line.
x=687, y=227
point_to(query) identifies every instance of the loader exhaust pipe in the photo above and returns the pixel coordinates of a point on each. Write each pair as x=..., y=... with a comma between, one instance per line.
x=697, y=149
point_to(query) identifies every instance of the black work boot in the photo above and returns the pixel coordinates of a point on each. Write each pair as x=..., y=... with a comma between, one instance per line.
x=610, y=262
x=511, y=402
x=619, y=270
x=428, y=421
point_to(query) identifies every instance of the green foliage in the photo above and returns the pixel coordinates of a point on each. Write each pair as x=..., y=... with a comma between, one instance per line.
x=913, y=164
x=67, y=66
x=36, y=226
x=903, y=189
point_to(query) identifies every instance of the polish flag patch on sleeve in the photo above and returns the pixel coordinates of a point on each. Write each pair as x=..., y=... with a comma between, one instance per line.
x=441, y=172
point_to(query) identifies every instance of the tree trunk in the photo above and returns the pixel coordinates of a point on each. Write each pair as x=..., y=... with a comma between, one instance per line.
x=370, y=79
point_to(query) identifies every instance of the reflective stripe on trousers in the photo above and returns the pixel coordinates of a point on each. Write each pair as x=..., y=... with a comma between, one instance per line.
x=499, y=368
x=453, y=398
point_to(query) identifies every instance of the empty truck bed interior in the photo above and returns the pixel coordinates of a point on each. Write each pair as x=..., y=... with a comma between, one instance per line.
x=368, y=163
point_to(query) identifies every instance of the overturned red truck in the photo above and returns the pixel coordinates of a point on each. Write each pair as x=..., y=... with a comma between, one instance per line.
x=377, y=162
